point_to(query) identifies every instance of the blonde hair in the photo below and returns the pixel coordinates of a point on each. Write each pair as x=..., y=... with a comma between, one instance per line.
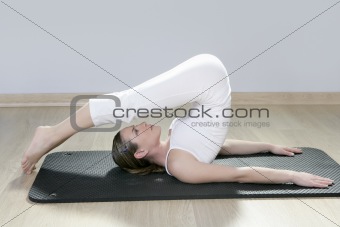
x=123, y=156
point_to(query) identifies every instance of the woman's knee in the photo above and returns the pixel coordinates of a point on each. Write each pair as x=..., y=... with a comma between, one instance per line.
x=208, y=57
x=213, y=64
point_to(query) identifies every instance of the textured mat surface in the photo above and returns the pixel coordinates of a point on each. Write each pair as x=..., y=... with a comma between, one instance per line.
x=92, y=176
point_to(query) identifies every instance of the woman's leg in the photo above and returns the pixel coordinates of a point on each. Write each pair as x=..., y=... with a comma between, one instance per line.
x=188, y=82
x=48, y=137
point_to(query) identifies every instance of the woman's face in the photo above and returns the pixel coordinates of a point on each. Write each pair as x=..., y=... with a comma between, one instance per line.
x=146, y=136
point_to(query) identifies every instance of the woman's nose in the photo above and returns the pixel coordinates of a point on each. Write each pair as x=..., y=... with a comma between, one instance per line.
x=143, y=124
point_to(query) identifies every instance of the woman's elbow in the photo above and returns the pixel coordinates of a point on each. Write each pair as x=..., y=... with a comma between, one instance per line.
x=242, y=176
x=187, y=179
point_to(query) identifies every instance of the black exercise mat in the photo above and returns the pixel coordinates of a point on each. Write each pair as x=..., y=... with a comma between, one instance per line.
x=92, y=176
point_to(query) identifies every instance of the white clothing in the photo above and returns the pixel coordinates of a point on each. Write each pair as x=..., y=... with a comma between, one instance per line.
x=201, y=80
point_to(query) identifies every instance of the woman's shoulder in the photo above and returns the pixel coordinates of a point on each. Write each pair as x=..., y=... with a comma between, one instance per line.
x=178, y=158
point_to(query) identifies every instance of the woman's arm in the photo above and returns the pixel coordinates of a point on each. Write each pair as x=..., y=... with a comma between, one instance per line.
x=241, y=147
x=186, y=168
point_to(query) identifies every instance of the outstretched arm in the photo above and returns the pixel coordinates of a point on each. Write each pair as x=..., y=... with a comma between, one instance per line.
x=187, y=169
x=242, y=147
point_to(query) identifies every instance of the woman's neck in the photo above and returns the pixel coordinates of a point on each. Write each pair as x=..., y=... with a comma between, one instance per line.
x=159, y=156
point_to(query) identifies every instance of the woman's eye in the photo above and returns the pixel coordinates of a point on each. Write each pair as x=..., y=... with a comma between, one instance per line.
x=135, y=130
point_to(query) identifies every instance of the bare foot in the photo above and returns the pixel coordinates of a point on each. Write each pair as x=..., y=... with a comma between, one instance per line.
x=43, y=141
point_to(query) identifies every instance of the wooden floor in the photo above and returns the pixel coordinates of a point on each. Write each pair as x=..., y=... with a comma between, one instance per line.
x=293, y=125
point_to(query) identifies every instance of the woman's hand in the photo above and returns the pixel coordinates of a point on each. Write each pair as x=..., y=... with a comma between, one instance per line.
x=310, y=180
x=281, y=150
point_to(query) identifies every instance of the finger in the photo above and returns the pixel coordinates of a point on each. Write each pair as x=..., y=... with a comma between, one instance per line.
x=322, y=178
x=294, y=150
x=285, y=151
x=288, y=153
x=327, y=179
x=324, y=182
x=298, y=150
x=318, y=185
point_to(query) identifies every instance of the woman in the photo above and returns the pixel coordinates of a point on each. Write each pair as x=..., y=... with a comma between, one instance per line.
x=191, y=146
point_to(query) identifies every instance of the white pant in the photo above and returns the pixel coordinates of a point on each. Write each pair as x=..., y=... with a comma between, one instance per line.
x=171, y=89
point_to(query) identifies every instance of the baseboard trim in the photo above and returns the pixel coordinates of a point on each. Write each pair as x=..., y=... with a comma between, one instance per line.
x=238, y=98
x=286, y=98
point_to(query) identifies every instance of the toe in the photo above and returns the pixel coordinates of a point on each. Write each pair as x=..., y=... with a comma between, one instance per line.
x=23, y=161
x=31, y=169
x=25, y=166
x=26, y=169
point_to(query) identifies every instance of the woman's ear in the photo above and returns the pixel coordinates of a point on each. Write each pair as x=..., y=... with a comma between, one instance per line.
x=140, y=153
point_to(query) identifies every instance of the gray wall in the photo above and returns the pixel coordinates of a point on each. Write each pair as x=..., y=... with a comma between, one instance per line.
x=136, y=40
